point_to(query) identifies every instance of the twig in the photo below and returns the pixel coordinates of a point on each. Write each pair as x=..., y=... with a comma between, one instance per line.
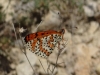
x=57, y=58
x=7, y=6
x=42, y=66
x=21, y=48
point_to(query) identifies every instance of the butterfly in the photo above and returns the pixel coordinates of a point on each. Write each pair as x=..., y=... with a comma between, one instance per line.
x=43, y=43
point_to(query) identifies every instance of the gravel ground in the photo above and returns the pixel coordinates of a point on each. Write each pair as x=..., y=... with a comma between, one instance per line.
x=81, y=55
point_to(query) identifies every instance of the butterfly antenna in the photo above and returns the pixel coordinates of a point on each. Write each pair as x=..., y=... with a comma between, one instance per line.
x=38, y=26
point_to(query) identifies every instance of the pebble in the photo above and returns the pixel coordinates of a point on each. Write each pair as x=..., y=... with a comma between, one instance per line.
x=93, y=27
x=98, y=69
x=88, y=11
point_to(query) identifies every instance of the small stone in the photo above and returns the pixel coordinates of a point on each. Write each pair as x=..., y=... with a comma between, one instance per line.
x=62, y=71
x=93, y=27
x=13, y=66
x=98, y=6
x=82, y=66
x=93, y=50
x=92, y=4
x=98, y=69
x=77, y=39
x=96, y=39
x=87, y=38
x=88, y=12
x=22, y=69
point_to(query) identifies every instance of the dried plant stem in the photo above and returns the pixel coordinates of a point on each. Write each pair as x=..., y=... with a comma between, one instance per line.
x=21, y=48
x=42, y=66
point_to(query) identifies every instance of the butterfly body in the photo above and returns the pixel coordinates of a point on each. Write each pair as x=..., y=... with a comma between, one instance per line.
x=43, y=43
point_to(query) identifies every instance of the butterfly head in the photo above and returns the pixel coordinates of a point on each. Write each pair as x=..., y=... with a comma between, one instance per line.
x=62, y=31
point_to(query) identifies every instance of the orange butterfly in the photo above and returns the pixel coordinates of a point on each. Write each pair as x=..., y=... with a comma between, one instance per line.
x=43, y=43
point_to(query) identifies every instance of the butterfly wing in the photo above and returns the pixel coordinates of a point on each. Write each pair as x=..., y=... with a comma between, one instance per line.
x=42, y=45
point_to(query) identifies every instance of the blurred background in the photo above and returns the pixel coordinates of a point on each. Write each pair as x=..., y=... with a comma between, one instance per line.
x=81, y=56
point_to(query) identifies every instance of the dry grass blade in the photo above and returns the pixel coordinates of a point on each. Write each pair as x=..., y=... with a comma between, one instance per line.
x=24, y=48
